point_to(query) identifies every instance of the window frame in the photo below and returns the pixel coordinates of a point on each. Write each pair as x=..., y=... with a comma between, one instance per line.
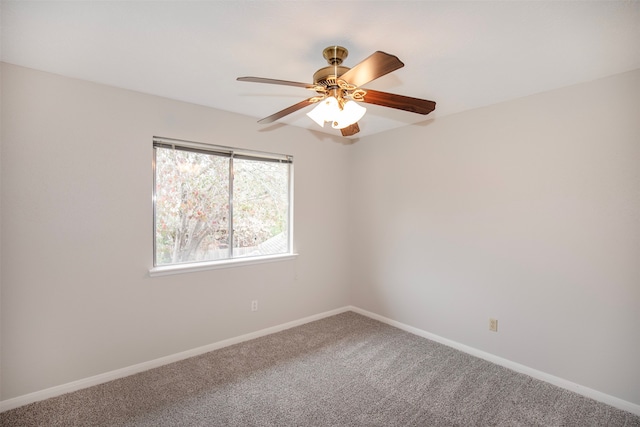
x=231, y=152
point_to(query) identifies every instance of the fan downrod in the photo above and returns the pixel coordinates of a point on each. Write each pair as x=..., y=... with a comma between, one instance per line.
x=327, y=76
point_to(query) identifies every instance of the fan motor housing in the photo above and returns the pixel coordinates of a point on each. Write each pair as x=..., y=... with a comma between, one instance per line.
x=327, y=76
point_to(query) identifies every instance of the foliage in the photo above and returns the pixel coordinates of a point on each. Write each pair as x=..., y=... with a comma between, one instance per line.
x=192, y=205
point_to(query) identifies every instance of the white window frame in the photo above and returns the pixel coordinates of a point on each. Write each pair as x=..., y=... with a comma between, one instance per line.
x=228, y=262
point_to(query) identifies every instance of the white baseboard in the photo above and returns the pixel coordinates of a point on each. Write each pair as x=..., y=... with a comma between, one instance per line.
x=16, y=402
x=543, y=376
x=37, y=396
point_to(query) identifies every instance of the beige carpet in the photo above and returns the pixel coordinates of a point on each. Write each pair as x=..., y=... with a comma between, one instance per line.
x=345, y=370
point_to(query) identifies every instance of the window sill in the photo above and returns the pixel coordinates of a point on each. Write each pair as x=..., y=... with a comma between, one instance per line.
x=214, y=265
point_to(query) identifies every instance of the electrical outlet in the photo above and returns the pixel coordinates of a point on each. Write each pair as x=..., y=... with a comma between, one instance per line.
x=493, y=325
x=254, y=305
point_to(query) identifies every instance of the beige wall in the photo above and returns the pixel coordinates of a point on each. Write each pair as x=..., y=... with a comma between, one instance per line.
x=77, y=221
x=528, y=212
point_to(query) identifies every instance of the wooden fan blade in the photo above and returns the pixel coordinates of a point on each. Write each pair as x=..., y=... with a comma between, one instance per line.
x=275, y=82
x=350, y=130
x=376, y=65
x=280, y=114
x=400, y=102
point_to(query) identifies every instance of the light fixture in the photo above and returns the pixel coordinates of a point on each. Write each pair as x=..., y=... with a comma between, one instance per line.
x=351, y=112
x=330, y=110
x=324, y=111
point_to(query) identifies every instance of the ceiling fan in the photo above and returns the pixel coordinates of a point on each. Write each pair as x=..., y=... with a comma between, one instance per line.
x=338, y=89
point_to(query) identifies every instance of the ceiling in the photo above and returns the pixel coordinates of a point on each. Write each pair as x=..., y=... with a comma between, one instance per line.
x=463, y=55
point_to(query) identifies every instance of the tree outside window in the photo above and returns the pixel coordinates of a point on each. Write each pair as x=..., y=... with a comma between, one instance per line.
x=219, y=204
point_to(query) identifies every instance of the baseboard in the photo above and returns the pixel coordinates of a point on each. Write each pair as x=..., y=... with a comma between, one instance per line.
x=37, y=396
x=559, y=382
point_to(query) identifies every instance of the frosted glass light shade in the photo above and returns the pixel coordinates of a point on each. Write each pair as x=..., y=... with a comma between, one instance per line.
x=350, y=114
x=328, y=110
x=324, y=111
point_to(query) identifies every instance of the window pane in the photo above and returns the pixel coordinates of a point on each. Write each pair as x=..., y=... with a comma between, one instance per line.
x=191, y=206
x=260, y=208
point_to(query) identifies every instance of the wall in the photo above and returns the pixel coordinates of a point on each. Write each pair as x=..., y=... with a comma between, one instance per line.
x=77, y=299
x=0, y=229
x=527, y=211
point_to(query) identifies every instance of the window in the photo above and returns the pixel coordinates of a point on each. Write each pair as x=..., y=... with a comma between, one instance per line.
x=216, y=203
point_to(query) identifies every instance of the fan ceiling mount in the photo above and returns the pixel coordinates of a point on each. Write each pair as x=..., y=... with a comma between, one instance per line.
x=338, y=91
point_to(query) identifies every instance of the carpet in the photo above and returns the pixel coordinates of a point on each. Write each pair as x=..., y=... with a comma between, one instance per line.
x=344, y=370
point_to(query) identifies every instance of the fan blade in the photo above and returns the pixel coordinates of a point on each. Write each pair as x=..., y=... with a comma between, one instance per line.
x=292, y=109
x=275, y=82
x=350, y=130
x=400, y=102
x=376, y=65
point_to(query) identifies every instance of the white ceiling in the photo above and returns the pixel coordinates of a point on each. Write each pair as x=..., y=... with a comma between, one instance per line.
x=462, y=55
